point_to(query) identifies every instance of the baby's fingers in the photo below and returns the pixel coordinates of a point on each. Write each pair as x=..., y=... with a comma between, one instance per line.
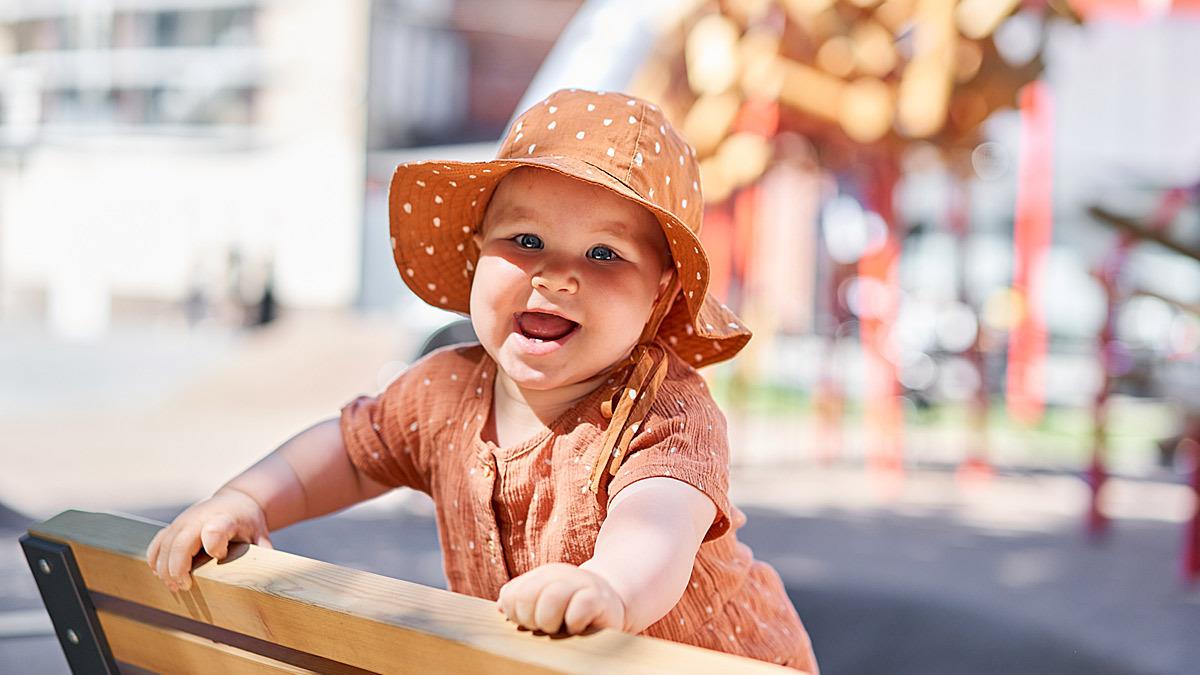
x=152, y=549
x=215, y=536
x=183, y=549
x=551, y=604
x=583, y=609
x=162, y=553
x=504, y=601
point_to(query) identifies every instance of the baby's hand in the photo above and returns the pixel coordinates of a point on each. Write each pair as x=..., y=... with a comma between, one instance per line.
x=229, y=515
x=561, y=596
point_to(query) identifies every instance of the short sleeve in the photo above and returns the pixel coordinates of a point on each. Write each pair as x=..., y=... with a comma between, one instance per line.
x=683, y=438
x=382, y=434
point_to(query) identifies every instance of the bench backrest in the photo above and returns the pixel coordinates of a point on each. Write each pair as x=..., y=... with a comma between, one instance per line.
x=266, y=611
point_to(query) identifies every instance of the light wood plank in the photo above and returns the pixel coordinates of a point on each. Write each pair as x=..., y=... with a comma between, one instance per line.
x=354, y=617
x=166, y=650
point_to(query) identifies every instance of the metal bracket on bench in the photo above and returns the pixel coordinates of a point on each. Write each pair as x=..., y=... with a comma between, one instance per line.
x=70, y=608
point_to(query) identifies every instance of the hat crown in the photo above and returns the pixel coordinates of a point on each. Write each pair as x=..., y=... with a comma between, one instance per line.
x=626, y=137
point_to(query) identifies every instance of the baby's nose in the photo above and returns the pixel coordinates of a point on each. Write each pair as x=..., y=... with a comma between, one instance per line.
x=555, y=279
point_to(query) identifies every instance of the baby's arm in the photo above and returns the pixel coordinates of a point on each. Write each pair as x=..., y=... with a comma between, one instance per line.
x=309, y=475
x=638, y=571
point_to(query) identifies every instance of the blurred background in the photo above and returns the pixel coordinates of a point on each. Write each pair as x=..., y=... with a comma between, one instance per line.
x=966, y=234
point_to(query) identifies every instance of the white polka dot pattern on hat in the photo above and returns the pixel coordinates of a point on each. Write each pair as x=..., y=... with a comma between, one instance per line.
x=572, y=132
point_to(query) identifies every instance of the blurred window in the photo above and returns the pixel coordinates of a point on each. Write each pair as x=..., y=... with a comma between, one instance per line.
x=143, y=87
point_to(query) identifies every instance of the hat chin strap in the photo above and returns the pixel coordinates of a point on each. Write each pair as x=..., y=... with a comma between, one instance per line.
x=660, y=309
x=626, y=413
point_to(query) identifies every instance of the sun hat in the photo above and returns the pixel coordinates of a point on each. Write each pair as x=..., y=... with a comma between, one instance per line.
x=609, y=139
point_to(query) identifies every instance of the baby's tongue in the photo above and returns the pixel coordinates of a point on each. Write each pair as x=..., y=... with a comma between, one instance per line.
x=544, y=326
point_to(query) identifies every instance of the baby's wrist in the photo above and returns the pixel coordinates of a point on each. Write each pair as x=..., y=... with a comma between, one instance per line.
x=597, y=570
x=238, y=493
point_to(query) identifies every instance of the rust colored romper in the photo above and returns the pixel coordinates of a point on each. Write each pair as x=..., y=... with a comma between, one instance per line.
x=503, y=511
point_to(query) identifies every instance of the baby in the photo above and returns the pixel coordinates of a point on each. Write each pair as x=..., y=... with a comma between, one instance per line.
x=577, y=463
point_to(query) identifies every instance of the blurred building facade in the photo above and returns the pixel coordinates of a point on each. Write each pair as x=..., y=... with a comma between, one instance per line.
x=153, y=151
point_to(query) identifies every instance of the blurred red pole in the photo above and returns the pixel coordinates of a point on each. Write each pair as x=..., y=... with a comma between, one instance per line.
x=1109, y=276
x=1191, y=545
x=975, y=465
x=830, y=396
x=1110, y=350
x=1032, y=228
x=717, y=236
x=883, y=412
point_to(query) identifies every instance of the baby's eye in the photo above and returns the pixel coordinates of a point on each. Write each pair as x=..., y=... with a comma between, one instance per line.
x=601, y=253
x=530, y=241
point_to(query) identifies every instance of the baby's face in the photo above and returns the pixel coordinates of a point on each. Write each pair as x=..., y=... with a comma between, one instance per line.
x=567, y=276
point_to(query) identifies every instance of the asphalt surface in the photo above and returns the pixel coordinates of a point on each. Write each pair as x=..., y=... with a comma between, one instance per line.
x=880, y=590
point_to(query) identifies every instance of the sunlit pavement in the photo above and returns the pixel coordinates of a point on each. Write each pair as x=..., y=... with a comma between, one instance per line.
x=913, y=573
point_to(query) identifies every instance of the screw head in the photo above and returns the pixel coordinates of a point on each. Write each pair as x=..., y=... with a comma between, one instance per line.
x=72, y=637
x=43, y=566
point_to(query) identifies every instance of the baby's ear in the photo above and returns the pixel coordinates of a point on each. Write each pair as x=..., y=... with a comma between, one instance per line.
x=667, y=279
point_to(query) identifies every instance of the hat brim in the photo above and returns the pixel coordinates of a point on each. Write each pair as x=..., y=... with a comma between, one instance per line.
x=435, y=208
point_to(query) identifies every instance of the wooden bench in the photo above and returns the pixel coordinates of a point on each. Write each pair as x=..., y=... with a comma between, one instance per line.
x=266, y=611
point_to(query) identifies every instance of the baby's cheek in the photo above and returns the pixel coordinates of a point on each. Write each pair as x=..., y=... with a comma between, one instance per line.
x=630, y=299
x=486, y=292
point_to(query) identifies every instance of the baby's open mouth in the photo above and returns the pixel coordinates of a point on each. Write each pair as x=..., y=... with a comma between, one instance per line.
x=544, y=327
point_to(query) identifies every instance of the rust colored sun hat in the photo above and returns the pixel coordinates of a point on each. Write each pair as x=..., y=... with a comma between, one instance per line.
x=609, y=139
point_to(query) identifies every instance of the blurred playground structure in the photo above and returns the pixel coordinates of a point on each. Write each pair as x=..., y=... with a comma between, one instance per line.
x=965, y=232
x=845, y=147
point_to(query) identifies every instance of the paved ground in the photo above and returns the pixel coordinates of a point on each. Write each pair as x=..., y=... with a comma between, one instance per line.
x=912, y=586
x=927, y=575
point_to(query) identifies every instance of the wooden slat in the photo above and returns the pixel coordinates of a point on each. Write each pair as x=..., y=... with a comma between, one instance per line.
x=166, y=650
x=354, y=617
x=209, y=633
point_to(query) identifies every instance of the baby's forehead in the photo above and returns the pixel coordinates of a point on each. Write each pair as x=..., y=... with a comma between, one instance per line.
x=553, y=200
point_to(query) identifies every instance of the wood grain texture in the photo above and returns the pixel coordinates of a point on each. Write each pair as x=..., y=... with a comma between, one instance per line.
x=365, y=620
x=166, y=650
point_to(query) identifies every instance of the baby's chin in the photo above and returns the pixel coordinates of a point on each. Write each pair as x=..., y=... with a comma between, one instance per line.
x=534, y=379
